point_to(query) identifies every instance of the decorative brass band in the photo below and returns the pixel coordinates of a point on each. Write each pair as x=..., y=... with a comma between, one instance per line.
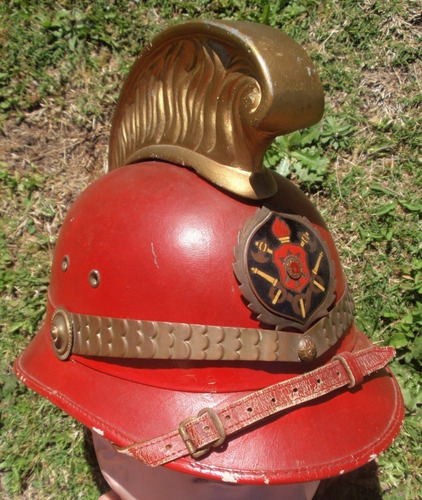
x=125, y=338
x=212, y=96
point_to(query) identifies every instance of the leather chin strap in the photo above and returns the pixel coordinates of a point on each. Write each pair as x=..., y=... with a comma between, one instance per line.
x=198, y=435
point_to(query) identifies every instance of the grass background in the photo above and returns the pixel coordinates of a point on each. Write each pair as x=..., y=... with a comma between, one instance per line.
x=63, y=63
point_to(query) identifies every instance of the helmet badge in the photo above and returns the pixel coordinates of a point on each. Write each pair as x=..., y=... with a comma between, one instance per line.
x=285, y=269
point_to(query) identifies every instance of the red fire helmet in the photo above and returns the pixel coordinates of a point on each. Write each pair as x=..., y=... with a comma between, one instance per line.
x=198, y=315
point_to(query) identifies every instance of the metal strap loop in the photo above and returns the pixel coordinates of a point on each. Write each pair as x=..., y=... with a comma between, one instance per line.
x=197, y=452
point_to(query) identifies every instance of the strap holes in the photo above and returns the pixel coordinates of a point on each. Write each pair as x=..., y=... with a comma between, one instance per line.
x=294, y=389
x=206, y=428
x=249, y=409
x=169, y=447
x=227, y=417
x=273, y=400
x=318, y=380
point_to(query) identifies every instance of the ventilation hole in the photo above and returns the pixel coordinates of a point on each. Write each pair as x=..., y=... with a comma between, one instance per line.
x=65, y=263
x=338, y=374
x=318, y=380
x=295, y=389
x=94, y=278
x=169, y=446
x=227, y=417
x=273, y=400
x=206, y=428
x=249, y=409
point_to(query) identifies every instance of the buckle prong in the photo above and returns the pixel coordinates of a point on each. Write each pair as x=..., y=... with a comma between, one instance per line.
x=199, y=452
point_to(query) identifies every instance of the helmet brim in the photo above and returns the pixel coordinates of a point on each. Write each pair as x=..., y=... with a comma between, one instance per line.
x=323, y=438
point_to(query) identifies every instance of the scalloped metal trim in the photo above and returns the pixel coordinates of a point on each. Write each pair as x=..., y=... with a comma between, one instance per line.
x=126, y=338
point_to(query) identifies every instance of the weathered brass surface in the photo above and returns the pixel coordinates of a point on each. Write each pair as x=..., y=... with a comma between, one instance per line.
x=126, y=338
x=61, y=333
x=212, y=96
x=307, y=350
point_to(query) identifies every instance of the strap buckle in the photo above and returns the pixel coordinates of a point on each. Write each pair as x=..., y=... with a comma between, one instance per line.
x=199, y=452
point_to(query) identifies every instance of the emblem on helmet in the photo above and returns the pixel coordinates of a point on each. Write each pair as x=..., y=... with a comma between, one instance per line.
x=285, y=269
